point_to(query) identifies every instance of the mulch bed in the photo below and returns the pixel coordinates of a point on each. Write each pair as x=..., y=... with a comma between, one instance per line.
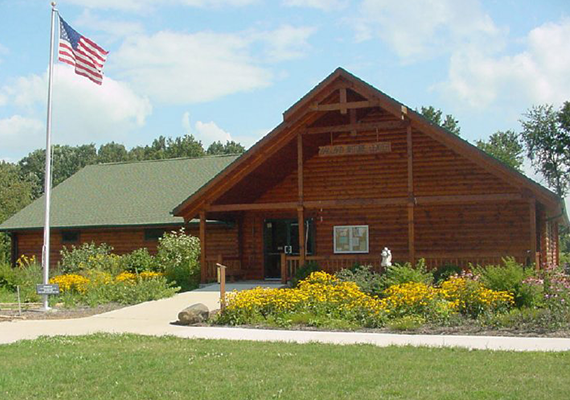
x=58, y=312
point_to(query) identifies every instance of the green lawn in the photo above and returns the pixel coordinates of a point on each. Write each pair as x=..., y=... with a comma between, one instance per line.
x=138, y=367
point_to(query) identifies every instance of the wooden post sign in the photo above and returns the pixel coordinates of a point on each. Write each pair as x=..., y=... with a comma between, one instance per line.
x=355, y=149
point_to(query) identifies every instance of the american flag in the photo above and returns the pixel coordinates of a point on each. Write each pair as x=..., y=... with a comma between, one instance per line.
x=82, y=53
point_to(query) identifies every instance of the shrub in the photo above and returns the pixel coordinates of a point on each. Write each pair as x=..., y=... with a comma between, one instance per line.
x=27, y=274
x=367, y=280
x=511, y=277
x=178, y=256
x=399, y=274
x=132, y=278
x=419, y=299
x=445, y=272
x=520, y=318
x=121, y=292
x=87, y=256
x=71, y=283
x=139, y=260
x=304, y=271
x=555, y=286
x=470, y=297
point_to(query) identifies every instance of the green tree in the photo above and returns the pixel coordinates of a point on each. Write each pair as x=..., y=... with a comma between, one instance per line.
x=546, y=135
x=112, y=152
x=506, y=147
x=66, y=160
x=436, y=116
x=184, y=146
x=231, y=147
x=15, y=194
x=162, y=148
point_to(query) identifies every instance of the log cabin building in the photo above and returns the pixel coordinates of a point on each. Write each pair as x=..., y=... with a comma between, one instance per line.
x=125, y=205
x=348, y=172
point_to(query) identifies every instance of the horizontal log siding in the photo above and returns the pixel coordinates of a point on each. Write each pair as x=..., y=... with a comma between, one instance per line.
x=453, y=231
x=220, y=239
x=438, y=171
x=387, y=228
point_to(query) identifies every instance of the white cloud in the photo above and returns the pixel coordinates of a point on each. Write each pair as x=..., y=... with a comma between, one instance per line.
x=179, y=68
x=206, y=132
x=16, y=132
x=326, y=5
x=149, y=5
x=423, y=29
x=286, y=42
x=209, y=132
x=539, y=74
x=82, y=111
x=26, y=91
x=182, y=68
x=113, y=28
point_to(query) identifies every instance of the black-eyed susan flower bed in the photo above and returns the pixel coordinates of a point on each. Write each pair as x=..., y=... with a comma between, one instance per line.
x=324, y=300
x=96, y=287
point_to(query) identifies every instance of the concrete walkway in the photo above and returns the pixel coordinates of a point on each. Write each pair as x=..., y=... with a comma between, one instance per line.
x=155, y=318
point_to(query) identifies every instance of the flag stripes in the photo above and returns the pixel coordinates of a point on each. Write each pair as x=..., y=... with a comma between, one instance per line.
x=82, y=53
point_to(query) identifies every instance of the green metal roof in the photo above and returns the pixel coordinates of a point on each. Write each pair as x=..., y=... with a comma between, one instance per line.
x=122, y=194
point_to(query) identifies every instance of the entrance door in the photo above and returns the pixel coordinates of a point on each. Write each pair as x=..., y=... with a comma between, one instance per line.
x=282, y=236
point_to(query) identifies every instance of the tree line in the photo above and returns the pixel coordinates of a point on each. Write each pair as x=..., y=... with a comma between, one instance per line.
x=544, y=139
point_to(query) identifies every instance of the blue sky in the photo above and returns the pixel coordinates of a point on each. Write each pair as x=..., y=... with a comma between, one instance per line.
x=227, y=69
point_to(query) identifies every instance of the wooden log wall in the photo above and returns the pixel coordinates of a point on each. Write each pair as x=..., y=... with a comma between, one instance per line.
x=486, y=232
x=438, y=171
x=221, y=239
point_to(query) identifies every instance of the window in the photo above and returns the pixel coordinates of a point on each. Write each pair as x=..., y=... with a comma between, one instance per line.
x=351, y=239
x=153, y=234
x=69, y=236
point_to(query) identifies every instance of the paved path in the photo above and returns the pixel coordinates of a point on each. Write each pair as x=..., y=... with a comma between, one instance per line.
x=155, y=317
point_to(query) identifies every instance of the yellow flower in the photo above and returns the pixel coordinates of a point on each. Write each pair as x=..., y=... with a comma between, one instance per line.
x=71, y=282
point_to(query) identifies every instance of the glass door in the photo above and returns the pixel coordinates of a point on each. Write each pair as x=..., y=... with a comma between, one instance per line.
x=282, y=236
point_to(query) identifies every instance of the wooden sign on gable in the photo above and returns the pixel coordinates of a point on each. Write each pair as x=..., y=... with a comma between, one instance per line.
x=355, y=149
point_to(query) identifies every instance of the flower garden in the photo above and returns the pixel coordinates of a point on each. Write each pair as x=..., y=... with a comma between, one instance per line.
x=91, y=275
x=409, y=298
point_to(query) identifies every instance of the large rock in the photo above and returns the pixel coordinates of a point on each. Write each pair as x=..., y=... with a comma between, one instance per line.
x=194, y=314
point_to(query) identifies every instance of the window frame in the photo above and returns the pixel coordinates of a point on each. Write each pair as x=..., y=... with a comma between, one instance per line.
x=350, y=239
x=65, y=240
x=149, y=234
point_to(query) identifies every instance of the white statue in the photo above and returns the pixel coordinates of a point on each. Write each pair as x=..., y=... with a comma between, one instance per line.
x=386, y=257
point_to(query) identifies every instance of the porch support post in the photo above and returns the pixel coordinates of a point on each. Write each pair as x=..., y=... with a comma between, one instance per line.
x=301, y=216
x=411, y=199
x=300, y=208
x=203, y=265
x=300, y=168
x=533, y=243
x=284, y=268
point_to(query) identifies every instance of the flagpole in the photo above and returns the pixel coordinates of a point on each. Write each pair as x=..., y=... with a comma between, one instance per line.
x=47, y=181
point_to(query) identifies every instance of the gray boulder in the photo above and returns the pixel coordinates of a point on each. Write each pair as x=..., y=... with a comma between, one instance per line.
x=194, y=314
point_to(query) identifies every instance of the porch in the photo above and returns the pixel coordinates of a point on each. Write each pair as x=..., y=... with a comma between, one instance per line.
x=289, y=264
